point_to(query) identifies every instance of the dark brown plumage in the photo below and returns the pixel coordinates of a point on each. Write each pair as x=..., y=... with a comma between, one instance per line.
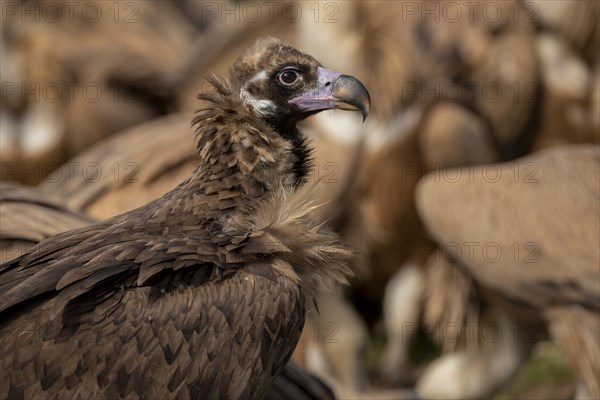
x=30, y=215
x=198, y=294
x=297, y=384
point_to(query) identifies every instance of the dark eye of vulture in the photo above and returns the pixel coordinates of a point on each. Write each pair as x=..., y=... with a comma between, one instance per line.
x=200, y=293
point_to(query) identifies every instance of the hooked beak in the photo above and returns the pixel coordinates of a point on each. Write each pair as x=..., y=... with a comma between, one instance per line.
x=335, y=91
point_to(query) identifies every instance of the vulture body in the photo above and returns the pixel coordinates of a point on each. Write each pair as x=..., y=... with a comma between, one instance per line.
x=529, y=236
x=200, y=293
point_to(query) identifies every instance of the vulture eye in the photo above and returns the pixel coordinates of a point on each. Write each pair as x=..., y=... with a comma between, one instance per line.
x=289, y=77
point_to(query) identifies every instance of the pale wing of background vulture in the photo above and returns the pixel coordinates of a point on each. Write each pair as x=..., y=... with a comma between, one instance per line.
x=128, y=169
x=536, y=232
x=29, y=216
x=583, y=37
x=185, y=281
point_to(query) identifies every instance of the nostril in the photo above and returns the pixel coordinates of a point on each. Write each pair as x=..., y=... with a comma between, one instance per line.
x=327, y=84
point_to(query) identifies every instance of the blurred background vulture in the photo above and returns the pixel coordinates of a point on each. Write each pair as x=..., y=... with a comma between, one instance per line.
x=454, y=85
x=542, y=261
x=163, y=277
x=29, y=216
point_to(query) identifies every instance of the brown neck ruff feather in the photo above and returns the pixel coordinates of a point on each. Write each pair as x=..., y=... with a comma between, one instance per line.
x=230, y=135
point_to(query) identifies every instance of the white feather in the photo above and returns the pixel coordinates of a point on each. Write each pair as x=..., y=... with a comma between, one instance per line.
x=261, y=107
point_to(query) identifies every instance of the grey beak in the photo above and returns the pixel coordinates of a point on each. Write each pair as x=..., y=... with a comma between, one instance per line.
x=350, y=94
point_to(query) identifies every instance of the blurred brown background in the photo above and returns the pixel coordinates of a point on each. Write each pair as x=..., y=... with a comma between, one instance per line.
x=484, y=134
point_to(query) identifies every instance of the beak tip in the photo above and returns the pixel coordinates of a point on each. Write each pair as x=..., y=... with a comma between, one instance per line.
x=365, y=113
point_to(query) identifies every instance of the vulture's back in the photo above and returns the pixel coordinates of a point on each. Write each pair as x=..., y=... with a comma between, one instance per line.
x=183, y=343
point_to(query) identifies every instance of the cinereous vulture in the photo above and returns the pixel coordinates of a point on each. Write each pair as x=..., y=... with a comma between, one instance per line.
x=200, y=293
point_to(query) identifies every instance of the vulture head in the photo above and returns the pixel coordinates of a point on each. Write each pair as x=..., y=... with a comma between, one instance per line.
x=282, y=85
x=272, y=87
